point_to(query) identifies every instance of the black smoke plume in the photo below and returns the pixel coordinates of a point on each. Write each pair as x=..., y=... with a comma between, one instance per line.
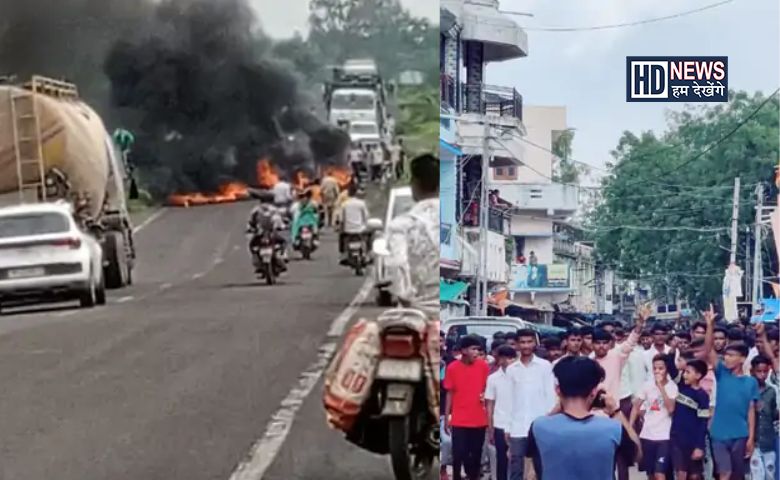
x=193, y=79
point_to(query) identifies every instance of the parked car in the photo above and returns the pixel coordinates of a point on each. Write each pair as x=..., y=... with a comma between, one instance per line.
x=400, y=202
x=456, y=327
x=45, y=257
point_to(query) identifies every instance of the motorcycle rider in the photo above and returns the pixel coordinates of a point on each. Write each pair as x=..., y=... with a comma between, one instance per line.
x=305, y=215
x=354, y=220
x=265, y=218
x=413, y=242
x=330, y=189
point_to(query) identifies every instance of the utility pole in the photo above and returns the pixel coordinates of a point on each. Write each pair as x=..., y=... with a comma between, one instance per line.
x=757, y=270
x=734, y=222
x=748, y=269
x=484, y=205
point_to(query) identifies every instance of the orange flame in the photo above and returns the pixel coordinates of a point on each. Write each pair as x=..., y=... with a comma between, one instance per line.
x=343, y=175
x=301, y=180
x=267, y=175
x=228, y=193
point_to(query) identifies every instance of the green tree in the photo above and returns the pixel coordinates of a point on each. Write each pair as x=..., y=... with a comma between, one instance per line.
x=567, y=170
x=380, y=29
x=665, y=210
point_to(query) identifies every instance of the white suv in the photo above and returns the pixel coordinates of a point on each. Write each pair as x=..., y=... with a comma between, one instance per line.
x=400, y=201
x=46, y=257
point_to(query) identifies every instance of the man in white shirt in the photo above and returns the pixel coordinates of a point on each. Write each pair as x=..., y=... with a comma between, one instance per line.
x=357, y=159
x=282, y=194
x=354, y=217
x=498, y=396
x=395, y=157
x=533, y=396
x=413, y=242
x=377, y=155
x=632, y=380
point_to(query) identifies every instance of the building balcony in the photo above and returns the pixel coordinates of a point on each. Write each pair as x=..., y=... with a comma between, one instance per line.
x=502, y=38
x=492, y=100
x=448, y=91
x=566, y=247
x=553, y=198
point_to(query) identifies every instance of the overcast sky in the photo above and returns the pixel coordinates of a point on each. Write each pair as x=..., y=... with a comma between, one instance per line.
x=585, y=71
x=282, y=18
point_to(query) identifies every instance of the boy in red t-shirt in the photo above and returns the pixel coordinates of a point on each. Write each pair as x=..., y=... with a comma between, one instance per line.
x=465, y=414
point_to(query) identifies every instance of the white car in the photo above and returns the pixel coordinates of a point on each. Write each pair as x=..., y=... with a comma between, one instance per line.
x=456, y=327
x=400, y=201
x=46, y=257
x=364, y=132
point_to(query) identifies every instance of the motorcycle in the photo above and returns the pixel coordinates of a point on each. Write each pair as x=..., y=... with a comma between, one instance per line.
x=396, y=419
x=356, y=257
x=306, y=242
x=267, y=256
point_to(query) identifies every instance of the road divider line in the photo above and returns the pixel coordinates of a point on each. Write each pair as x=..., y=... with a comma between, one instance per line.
x=265, y=450
x=125, y=299
x=166, y=286
x=149, y=220
x=198, y=275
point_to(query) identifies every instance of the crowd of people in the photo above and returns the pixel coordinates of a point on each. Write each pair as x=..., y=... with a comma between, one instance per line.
x=684, y=401
x=372, y=160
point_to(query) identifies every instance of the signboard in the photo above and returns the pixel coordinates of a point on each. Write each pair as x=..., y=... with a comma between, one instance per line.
x=539, y=277
x=557, y=275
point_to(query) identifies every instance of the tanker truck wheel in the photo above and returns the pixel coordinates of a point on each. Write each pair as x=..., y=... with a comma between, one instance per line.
x=115, y=271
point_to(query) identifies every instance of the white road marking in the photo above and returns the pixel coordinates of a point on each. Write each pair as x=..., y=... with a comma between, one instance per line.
x=67, y=313
x=218, y=260
x=166, y=286
x=265, y=450
x=149, y=220
x=198, y=275
x=125, y=299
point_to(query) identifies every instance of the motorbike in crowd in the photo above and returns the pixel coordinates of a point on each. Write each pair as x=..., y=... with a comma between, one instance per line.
x=267, y=256
x=357, y=258
x=397, y=418
x=307, y=242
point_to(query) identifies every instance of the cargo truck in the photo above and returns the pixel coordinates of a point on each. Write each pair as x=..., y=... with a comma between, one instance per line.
x=54, y=147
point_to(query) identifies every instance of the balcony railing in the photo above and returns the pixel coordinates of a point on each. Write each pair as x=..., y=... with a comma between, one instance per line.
x=545, y=197
x=492, y=100
x=448, y=90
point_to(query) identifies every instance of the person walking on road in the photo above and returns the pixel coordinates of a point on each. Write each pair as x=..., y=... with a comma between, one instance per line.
x=533, y=396
x=330, y=189
x=498, y=396
x=465, y=418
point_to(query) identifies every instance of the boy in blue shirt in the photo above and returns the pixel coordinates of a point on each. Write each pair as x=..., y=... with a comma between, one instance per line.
x=689, y=422
x=734, y=421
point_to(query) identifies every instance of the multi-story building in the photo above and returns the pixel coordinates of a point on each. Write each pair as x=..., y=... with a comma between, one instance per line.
x=538, y=279
x=473, y=34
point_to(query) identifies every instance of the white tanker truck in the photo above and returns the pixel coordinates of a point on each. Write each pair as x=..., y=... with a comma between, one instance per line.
x=53, y=147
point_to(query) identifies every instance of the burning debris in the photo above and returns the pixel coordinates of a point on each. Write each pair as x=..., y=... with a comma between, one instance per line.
x=196, y=72
x=193, y=80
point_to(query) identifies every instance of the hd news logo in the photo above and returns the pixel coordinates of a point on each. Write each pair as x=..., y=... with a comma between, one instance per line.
x=677, y=79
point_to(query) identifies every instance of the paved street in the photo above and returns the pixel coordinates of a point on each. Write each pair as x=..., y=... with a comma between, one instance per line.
x=182, y=373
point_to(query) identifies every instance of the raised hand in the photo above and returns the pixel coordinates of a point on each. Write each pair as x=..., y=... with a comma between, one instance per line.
x=709, y=315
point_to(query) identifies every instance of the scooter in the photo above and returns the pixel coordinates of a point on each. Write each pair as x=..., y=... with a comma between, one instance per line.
x=356, y=257
x=396, y=419
x=307, y=243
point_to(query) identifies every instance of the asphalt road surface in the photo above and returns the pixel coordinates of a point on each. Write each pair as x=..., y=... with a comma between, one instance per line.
x=193, y=371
